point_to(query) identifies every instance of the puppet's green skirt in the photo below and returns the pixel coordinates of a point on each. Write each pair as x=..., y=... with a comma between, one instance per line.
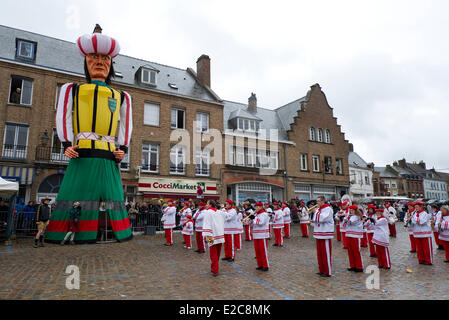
x=91, y=181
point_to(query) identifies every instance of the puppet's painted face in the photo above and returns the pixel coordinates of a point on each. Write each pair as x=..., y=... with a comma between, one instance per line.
x=98, y=66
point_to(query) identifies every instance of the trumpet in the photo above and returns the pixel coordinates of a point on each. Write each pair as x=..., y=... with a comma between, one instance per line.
x=244, y=220
x=311, y=209
x=210, y=240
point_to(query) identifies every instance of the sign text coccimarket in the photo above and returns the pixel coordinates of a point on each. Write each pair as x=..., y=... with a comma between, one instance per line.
x=154, y=185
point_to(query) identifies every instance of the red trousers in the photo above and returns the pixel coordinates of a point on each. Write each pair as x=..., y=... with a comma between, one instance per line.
x=238, y=241
x=372, y=246
x=392, y=228
x=355, y=258
x=260, y=246
x=286, y=230
x=338, y=233
x=412, y=242
x=169, y=236
x=214, y=253
x=304, y=229
x=199, y=241
x=445, y=244
x=229, y=246
x=424, y=250
x=383, y=257
x=278, y=238
x=343, y=236
x=437, y=241
x=364, y=241
x=188, y=240
x=324, y=255
x=248, y=233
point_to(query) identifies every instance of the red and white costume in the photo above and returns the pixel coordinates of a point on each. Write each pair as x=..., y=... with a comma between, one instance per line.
x=345, y=214
x=381, y=239
x=187, y=232
x=444, y=234
x=354, y=233
x=390, y=213
x=183, y=213
x=198, y=217
x=370, y=227
x=436, y=217
x=247, y=225
x=169, y=220
x=323, y=223
x=287, y=220
x=238, y=235
x=278, y=225
x=231, y=227
x=269, y=211
x=213, y=226
x=422, y=232
x=304, y=221
x=411, y=213
x=261, y=232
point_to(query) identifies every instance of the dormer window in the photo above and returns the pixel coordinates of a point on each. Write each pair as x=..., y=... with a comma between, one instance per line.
x=149, y=76
x=247, y=125
x=26, y=50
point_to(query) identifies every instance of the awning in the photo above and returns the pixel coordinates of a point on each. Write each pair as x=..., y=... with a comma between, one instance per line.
x=22, y=175
x=179, y=196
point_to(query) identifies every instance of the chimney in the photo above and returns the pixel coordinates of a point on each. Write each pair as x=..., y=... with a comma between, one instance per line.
x=203, y=70
x=395, y=164
x=402, y=163
x=422, y=164
x=252, y=103
x=351, y=147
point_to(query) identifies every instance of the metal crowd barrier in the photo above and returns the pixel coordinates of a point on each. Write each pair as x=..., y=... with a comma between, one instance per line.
x=140, y=221
x=24, y=224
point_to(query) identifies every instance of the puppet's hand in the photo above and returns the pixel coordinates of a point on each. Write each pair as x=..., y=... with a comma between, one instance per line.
x=119, y=154
x=71, y=153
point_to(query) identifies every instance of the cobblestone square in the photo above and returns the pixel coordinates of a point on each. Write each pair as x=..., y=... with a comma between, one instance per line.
x=145, y=269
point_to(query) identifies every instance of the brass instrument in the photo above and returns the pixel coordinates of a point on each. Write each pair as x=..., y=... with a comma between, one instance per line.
x=210, y=240
x=432, y=223
x=311, y=209
x=244, y=220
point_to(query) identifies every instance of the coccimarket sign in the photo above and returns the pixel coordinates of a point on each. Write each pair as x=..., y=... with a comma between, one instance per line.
x=154, y=185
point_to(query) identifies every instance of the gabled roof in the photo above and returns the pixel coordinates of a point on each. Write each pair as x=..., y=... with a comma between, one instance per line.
x=242, y=113
x=355, y=160
x=385, y=173
x=63, y=56
x=288, y=113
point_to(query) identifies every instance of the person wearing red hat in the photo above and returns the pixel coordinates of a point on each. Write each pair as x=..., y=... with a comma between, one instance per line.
x=199, y=219
x=213, y=231
x=247, y=224
x=169, y=220
x=435, y=217
x=260, y=225
x=230, y=228
x=269, y=211
x=323, y=225
x=287, y=220
x=238, y=235
x=342, y=214
x=408, y=218
x=390, y=213
x=278, y=225
x=369, y=226
x=87, y=123
x=185, y=210
x=422, y=232
x=187, y=231
x=354, y=232
x=443, y=228
x=304, y=220
x=381, y=239
x=337, y=223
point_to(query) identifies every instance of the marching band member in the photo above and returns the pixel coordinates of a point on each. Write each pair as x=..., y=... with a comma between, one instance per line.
x=269, y=211
x=443, y=227
x=238, y=235
x=213, y=230
x=230, y=228
x=436, y=215
x=185, y=210
x=354, y=232
x=364, y=240
x=390, y=213
x=422, y=232
x=369, y=226
x=278, y=224
x=169, y=220
x=260, y=226
x=323, y=223
x=304, y=220
x=381, y=239
x=287, y=220
x=199, y=219
x=337, y=223
x=408, y=218
x=344, y=212
x=187, y=231
x=247, y=224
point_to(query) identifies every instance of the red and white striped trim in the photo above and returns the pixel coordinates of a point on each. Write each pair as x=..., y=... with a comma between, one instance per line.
x=380, y=243
x=64, y=125
x=94, y=136
x=98, y=43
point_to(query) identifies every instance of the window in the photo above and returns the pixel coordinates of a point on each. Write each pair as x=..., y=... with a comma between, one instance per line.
x=15, y=142
x=124, y=164
x=339, y=165
x=177, y=160
x=151, y=114
x=150, y=157
x=239, y=156
x=247, y=125
x=57, y=149
x=26, y=49
x=328, y=164
x=312, y=134
x=274, y=160
x=202, y=162
x=149, y=76
x=328, y=136
x=304, y=166
x=58, y=89
x=177, y=118
x=202, y=122
x=320, y=135
x=367, y=179
x=21, y=90
x=250, y=157
x=316, y=163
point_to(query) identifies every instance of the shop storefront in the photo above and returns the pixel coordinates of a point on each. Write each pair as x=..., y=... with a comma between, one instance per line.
x=181, y=189
x=263, y=192
x=23, y=175
x=309, y=191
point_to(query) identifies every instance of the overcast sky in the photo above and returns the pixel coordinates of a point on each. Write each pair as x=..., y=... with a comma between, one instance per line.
x=383, y=65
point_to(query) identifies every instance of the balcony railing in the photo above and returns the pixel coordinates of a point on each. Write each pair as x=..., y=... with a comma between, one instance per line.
x=14, y=152
x=51, y=155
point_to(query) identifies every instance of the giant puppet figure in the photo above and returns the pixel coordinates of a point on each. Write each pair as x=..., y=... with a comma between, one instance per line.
x=87, y=120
